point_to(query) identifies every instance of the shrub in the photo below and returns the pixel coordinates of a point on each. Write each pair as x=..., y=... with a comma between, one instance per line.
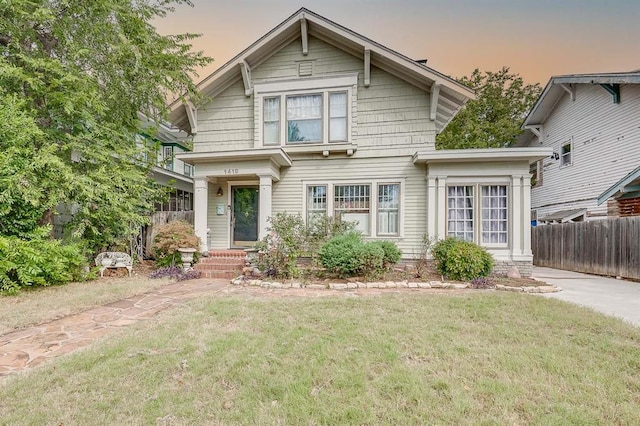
x=171, y=237
x=347, y=255
x=38, y=262
x=284, y=243
x=392, y=254
x=461, y=260
x=322, y=229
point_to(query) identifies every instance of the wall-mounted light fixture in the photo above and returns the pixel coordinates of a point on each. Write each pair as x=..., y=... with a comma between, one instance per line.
x=220, y=192
x=555, y=156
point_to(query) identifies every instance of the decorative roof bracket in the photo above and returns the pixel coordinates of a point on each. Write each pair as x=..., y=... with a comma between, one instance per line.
x=570, y=89
x=367, y=67
x=614, y=90
x=536, y=129
x=435, y=95
x=246, y=78
x=192, y=115
x=304, y=35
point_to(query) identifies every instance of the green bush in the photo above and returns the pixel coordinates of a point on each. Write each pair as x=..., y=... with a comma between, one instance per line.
x=38, y=262
x=169, y=238
x=347, y=255
x=281, y=247
x=322, y=229
x=339, y=255
x=392, y=254
x=461, y=260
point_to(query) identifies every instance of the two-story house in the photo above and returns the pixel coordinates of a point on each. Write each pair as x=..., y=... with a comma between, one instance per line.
x=315, y=119
x=592, y=123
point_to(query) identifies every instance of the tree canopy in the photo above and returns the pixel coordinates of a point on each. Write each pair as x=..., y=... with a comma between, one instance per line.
x=494, y=119
x=74, y=75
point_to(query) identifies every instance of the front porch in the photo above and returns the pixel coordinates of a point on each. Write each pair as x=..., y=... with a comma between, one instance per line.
x=233, y=195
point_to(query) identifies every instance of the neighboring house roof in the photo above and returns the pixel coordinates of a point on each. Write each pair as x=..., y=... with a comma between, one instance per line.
x=563, y=215
x=558, y=86
x=627, y=187
x=452, y=95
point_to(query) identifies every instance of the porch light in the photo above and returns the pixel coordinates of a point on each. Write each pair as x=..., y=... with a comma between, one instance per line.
x=220, y=192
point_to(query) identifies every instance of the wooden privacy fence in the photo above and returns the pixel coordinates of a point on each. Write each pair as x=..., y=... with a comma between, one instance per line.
x=158, y=219
x=604, y=247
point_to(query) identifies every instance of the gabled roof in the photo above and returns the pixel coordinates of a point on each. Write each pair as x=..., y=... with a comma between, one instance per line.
x=627, y=187
x=559, y=86
x=452, y=94
x=563, y=216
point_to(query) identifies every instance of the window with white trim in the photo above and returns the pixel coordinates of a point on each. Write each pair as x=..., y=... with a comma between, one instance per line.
x=316, y=202
x=565, y=155
x=351, y=203
x=167, y=157
x=460, y=212
x=388, y=209
x=494, y=214
x=271, y=114
x=375, y=206
x=478, y=213
x=304, y=111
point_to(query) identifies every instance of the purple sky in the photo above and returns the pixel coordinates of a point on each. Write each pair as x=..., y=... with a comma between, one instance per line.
x=535, y=38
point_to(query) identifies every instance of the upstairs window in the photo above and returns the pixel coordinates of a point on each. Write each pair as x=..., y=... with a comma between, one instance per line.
x=167, y=157
x=338, y=117
x=566, y=155
x=271, y=113
x=304, y=119
x=305, y=111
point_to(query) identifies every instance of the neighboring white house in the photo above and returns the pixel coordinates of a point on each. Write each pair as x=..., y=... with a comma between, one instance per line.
x=592, y=122
x=316, y=119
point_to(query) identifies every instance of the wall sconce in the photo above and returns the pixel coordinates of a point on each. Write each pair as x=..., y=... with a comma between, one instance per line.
x=220, y=192
x=555, y=156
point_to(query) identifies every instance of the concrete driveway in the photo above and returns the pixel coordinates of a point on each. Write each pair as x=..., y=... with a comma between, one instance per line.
x=610, y=296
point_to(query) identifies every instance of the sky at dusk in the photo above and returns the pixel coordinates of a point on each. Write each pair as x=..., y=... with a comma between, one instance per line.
x=535, y=38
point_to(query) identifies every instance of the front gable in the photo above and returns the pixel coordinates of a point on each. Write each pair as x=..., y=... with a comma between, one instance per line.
x=321, y=46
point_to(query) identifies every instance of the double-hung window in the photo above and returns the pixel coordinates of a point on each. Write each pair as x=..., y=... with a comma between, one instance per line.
x=352, y=204
x=565, y=155
x=388, y=209
x=478, y=213
x=316, y=203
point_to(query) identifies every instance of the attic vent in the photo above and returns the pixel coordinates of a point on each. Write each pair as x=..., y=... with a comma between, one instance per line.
x=305, y=68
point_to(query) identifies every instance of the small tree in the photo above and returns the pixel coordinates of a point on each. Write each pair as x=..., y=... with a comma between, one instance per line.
x=171, y=237
x=495, y=118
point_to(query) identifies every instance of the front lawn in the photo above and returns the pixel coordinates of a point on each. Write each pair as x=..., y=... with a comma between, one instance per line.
x=411, y=358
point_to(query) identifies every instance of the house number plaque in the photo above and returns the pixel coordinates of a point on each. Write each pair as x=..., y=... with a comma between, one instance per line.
x=231, y=171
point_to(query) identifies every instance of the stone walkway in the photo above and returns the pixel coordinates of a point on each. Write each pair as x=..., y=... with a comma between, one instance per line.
x=26, y=348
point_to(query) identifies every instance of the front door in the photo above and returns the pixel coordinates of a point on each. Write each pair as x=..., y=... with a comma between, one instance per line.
x=244, y=215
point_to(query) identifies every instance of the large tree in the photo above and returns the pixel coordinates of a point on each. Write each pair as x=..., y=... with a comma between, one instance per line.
x=494, y=119
x=74, y=74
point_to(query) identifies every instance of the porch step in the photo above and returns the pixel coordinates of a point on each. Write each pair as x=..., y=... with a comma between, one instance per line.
x=225, y=264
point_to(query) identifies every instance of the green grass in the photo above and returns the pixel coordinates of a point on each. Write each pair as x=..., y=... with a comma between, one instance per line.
x=416, y=358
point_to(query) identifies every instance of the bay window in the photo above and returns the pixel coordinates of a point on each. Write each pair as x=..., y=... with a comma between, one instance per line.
x=337, y=116
x=478, y=213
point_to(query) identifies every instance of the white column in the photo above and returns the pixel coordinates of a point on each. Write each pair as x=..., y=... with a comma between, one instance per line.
x=517, y=216
x=432, y=207
x=526, y=215
x=265, y=205
x=200, y=211
x=442, y=208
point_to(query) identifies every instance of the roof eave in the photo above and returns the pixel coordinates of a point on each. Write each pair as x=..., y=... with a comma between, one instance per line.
x=482, y=155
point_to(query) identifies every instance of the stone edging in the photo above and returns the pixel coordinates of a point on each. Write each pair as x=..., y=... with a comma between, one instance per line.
x=387, y=284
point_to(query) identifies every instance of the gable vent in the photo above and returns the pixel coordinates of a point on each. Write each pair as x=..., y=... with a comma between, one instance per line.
x=305, y=68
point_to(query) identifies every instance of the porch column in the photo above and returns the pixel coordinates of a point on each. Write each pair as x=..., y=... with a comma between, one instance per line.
x=442, y=208
x=265, y=205
x=526, y=214
x=517, y=215
x=432, y=207
x=200, y=208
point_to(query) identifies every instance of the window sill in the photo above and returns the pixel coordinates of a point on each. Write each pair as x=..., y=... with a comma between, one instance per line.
x=325, y=148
